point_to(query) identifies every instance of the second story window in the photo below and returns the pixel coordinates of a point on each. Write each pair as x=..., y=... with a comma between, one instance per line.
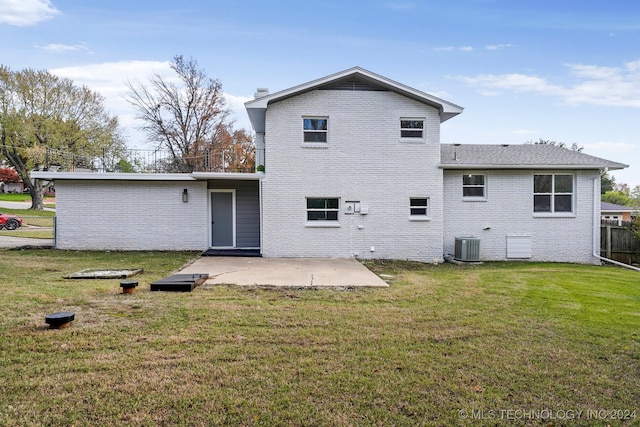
x=315, y=129
x=419, y=207
x=412, y=128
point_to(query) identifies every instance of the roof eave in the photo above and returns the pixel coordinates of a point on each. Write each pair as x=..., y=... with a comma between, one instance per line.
x=228, y=176
x=257, y=108
x=111, y=176
x=115, y=176
x=531, y=166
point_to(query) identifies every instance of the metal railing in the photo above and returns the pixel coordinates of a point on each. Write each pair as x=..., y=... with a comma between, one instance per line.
x=147, y=161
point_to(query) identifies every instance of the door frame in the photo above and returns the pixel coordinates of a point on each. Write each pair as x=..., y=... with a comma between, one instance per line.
x=233, y=216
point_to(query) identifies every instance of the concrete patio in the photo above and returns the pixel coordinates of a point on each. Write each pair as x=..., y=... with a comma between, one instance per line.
x=285, y=272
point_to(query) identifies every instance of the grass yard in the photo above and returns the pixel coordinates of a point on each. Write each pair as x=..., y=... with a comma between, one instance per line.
x=15, y=197
x=493, y=344
x=49, y=202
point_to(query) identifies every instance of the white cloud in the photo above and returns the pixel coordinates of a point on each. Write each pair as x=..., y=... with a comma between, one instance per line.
x=608, y=86
x=23, y=13
x=512, y=82
x=591, y=84
x=498, y=46
x=61, y=48
x=110, y=80
x=236, y=104
x=452, y=48
x=471, y=48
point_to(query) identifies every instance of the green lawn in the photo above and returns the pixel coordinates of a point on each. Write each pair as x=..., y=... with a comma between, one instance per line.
x=25, y=197
x=15, y=197
x=493, y=344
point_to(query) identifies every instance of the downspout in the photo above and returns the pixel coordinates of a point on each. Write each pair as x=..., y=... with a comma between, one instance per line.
x=596, y=223
x=261, y=215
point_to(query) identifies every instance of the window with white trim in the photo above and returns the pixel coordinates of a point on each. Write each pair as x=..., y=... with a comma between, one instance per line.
x=473, y=186
x=322, y=209
x=419, y=207
x=553, y=193
x=315, y=129
x=412, y=128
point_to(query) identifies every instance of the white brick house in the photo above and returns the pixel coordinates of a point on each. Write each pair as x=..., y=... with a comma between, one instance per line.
x=353, y=167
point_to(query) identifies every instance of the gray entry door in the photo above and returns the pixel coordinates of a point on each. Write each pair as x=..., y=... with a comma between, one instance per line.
x=221, y=219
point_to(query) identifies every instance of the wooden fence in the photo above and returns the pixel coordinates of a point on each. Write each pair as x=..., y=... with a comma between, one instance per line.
x=619, y=243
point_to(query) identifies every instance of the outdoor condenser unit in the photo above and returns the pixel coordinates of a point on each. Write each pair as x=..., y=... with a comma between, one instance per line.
x=467, y=249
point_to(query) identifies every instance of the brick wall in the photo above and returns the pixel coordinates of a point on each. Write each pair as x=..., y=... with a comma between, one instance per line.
x=364, y=160
x=131, y=215
x=508, y=210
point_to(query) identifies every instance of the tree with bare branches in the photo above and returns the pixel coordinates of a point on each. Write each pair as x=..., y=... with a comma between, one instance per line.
x=188, y=118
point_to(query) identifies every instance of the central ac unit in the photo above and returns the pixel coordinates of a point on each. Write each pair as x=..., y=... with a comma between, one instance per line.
x=467, y=249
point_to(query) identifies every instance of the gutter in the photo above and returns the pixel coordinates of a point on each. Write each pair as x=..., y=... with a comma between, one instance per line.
x=477, y=166
x=596, y=223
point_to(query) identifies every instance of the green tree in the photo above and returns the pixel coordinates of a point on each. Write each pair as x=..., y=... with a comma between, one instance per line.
x=574, y=146
x=635, y=227
x=635, y=194
x=607, y=182
x=43, y=116
x=124, y=166
x=617, y=197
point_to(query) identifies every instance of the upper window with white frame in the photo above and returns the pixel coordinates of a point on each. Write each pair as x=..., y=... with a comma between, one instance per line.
x=411, y=128
x=315, y=129
x=419, y=207
x=474, y=186
x=553, y=193
x=322, y=209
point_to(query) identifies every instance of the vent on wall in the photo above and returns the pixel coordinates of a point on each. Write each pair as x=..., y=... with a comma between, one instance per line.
x=467, y=249
x=519, y=247
x=352, y=84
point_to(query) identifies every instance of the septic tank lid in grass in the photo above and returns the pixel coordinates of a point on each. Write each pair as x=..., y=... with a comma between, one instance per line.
x=59, y=320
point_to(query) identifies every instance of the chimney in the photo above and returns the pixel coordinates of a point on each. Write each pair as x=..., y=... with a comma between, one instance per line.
x=260, y=92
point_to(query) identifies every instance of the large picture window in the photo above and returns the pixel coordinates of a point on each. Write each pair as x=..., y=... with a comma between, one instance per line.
x=315, y=129
x=322, y=209
x=552, y=193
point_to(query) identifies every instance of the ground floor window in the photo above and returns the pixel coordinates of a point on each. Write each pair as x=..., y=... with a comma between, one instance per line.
x=552, y=193
x=322, y=209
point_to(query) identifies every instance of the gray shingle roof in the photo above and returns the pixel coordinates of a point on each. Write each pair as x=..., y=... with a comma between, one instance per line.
x=606, y=206
x=519, y=156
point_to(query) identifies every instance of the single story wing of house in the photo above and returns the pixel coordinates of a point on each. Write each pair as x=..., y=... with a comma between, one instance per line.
x=614, y=213
x=351, y=165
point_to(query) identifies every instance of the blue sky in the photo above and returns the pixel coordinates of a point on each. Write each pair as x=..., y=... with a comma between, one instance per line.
x=523, y=70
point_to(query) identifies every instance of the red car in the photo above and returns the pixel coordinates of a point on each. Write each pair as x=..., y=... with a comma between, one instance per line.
x=10, y=222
